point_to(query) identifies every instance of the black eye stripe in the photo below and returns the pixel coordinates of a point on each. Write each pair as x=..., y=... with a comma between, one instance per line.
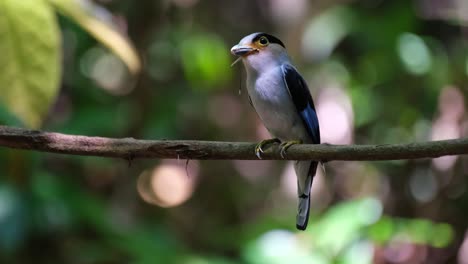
x=271, y=39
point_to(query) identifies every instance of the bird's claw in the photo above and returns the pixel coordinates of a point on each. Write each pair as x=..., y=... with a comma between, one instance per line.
x=258, y=147
x=258, y=151
x=285, y=145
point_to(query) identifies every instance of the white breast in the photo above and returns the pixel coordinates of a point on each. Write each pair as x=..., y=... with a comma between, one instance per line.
x=274, y=105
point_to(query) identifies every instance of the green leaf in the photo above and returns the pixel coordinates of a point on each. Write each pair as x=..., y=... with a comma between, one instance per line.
x=29, y=59
x=93, y=19
x=205, y=61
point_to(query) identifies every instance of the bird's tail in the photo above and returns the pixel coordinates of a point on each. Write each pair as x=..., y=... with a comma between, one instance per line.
x=305, y=171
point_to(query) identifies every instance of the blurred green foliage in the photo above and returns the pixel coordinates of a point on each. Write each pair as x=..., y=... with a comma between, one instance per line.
x=379, y=71
x=31, y=52
x=205, y=61
x=30, y=59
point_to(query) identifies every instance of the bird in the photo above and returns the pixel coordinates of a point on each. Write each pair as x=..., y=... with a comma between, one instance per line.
x=282, y=100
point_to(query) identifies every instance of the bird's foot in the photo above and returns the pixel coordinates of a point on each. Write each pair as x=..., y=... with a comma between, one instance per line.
x=261, y=144
x=285, y=145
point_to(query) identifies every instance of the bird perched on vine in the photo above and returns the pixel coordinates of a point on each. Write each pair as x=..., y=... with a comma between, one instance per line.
x=283, y=102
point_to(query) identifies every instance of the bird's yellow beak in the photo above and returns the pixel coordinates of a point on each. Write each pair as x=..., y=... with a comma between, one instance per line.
x=242, y=50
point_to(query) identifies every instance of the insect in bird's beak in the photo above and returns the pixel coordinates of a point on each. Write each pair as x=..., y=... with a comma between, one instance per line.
x=236, y=61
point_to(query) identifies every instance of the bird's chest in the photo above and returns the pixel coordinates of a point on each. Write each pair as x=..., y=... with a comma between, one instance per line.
x=271, y=100
x=268, y=89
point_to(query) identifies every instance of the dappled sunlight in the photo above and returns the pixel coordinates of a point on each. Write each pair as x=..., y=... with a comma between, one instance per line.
x=166, y=185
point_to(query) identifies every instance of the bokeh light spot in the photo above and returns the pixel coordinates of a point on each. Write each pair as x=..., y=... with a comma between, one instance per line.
x=414, y=54
x=324, y=32
x=442, y=235
x=287, y=12
x=463, y=252
x=382, y=230
x=423, y=185
x=205, y=61
x=166, y=185
x=359, y=252
x=280, y=246
x=399, y=250
x=7, y=203
x=339, y=122
x=451, y=103
x=335, y=115
x=446, y=125
x=277, y=242
x=370, y=211
x=107, y=70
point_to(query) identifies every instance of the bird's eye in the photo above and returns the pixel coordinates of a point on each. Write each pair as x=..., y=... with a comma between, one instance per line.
x=263, y=41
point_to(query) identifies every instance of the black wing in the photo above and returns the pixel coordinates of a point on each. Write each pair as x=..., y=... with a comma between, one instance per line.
x=302, y=100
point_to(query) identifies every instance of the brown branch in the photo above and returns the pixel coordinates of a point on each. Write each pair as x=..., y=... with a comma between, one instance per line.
x=129, y=148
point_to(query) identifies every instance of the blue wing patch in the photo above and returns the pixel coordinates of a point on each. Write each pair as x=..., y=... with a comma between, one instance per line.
x=302, y=100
